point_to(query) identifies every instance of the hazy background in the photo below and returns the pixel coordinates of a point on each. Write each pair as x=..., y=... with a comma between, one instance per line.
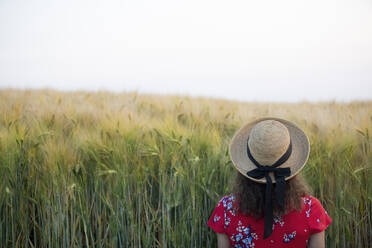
x=287, y=50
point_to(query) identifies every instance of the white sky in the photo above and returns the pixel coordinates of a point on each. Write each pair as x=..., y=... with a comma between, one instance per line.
x=267, y=50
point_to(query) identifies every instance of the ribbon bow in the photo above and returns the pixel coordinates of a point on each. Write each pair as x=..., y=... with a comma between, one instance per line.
x=280, y=175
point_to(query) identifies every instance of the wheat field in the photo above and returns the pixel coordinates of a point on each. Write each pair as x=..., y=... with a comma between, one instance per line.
x=84, y=169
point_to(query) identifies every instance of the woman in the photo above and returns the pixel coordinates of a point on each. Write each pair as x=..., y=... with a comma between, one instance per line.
x=271, y=205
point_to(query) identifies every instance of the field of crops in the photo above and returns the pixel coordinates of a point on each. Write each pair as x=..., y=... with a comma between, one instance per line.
x=128, y=170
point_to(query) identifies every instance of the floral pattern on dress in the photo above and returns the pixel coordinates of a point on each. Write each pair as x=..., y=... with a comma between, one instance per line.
x=307, y=202
x=216, y=218
x=289, y=237
x=227, y=220
x=278, y=220
x=292, y=229
x=227, y=204
x=245, y=237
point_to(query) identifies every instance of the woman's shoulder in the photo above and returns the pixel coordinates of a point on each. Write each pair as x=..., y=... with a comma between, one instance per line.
x=229, y=205
x=227, y=202
x=229, y=197
x=317, y=216
x=309, y=201
x=312, y=207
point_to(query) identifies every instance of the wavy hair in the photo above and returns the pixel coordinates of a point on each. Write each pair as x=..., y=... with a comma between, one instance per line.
x=250, y=196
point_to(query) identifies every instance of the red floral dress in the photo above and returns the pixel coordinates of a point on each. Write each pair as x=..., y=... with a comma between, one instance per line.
x=291, y=230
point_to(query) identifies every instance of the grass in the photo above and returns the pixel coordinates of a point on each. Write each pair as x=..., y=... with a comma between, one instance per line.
x=81, y=169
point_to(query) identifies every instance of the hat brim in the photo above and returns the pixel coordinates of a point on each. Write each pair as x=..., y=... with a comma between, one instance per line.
x=296, y=161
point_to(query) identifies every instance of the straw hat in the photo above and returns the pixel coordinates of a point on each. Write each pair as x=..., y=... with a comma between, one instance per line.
x=267, y=140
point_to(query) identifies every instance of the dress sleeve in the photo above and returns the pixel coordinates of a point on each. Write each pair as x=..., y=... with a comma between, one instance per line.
x=217, y=219
x=319, y=219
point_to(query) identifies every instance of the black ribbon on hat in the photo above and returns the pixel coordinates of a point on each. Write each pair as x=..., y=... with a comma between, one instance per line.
x=280, y=175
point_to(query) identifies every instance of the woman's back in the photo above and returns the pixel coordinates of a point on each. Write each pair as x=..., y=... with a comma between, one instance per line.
x=269, y=154
x=290, y=230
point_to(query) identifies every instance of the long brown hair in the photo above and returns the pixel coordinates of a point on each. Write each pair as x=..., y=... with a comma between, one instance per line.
x=250, y=196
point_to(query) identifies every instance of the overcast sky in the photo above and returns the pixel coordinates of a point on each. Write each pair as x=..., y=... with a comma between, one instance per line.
x=267, y=50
